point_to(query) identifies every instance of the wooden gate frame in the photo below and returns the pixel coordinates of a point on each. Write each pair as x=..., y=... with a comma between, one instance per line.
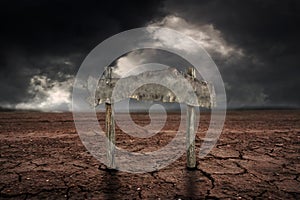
x=110, y=127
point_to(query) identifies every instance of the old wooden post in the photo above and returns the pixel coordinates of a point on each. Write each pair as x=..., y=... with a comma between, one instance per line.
x=110, y=125
x=190, y=133
x=110, y=134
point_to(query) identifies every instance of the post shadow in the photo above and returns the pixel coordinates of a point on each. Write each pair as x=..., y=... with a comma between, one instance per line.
x=111, y=183
x=191, y=176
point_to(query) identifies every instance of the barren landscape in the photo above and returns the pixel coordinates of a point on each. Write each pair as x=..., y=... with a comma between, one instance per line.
x=256, y=157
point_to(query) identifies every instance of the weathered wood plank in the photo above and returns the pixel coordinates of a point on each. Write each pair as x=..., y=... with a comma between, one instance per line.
x=130, y=87
x=110, y=134
x=190, y=137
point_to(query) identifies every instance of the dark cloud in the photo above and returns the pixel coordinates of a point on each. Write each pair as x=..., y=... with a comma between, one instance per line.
x=51, y=38
x=267, y=32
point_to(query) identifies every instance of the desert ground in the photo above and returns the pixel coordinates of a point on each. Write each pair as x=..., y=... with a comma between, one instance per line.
x=256, y=157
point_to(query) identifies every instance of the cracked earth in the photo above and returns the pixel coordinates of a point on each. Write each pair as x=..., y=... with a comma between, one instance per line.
x=256, y=157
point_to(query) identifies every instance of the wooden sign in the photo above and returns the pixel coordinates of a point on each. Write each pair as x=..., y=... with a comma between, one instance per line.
x=203, y=92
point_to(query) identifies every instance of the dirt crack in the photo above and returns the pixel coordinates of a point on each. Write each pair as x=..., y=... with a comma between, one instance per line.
x=211, y=178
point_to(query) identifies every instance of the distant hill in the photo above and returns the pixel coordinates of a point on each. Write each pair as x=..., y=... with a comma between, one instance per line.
x=3, y=109
x=265, y=108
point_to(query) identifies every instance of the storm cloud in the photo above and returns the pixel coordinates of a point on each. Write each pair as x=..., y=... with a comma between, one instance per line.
x=254, y=44
x=267, y=32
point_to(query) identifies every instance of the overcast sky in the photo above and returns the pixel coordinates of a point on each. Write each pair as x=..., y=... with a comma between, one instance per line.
x=254, y=43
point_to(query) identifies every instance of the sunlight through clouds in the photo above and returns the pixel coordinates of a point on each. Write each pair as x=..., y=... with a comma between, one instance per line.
x=48, y=95
x=206, y=35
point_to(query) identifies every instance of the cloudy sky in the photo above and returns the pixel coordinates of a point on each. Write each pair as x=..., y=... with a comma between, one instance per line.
x=254, y=44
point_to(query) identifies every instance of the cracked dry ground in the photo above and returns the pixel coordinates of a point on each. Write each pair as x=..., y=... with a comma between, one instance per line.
x=257, y=156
